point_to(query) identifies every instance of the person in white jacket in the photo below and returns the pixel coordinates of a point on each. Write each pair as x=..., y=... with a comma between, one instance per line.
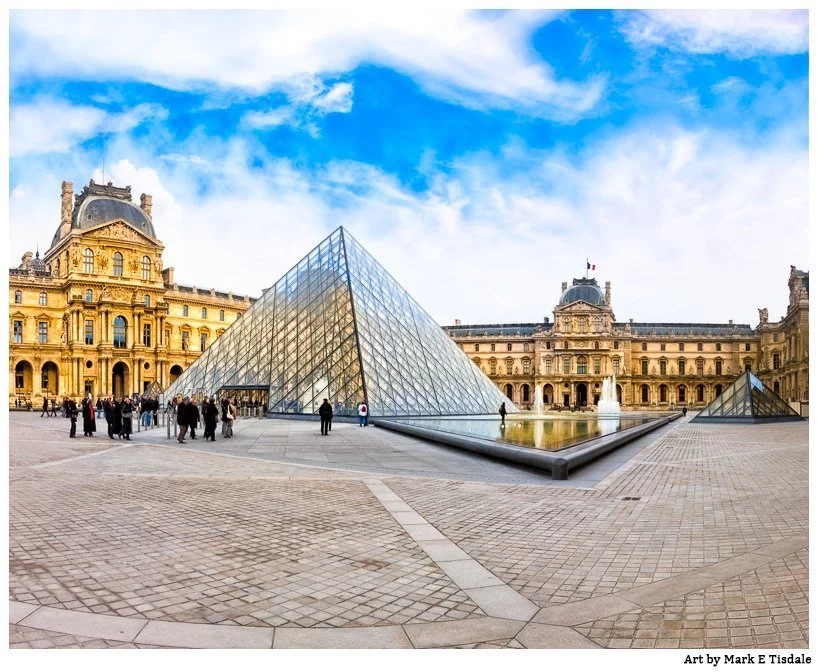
x=363, y=411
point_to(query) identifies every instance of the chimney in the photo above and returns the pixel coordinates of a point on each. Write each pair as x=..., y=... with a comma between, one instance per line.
x=457, y=323
x=26, y=260
x=146, y=203
x=607, y=292
x=66, y=208
x=564, y=286
x=167, y=276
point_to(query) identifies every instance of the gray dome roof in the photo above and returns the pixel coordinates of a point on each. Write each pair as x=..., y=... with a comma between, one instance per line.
x=97, y=210
x=583, y=290
x=38, y=264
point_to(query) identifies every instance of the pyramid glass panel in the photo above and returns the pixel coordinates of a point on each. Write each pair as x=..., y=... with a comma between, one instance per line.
x=747, y=400
x=338, y=326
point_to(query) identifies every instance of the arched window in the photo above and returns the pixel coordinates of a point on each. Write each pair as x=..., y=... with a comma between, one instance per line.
x=718, y=367
x=87, y=260
x=18, y=296
x=509, y=390
x=526, y=394
x=204, y=313
x=719, y=390
x=221, y=318
x=508, y=347
x=117, y=258
x=89, y=295
x=644, y=394
x=120, y=330
x=663, y=394
x=146, y=268
x=682, y=392
x=184, y=311
x=616, y=345
x=43, y=299
x=700, y=393
x=202, y=341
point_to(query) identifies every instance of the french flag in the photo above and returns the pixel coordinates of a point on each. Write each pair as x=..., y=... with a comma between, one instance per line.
x=591, y=267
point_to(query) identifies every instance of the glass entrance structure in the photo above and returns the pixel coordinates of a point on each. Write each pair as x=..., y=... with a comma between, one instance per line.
x=338, y=326
x=747, y=400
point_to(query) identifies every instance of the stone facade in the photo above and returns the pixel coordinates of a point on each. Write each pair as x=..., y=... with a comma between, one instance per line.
x=657, y=365
x=99, y=313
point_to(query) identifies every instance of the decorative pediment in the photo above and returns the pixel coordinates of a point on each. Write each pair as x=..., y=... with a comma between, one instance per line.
x=118, y=231
x=581, y=307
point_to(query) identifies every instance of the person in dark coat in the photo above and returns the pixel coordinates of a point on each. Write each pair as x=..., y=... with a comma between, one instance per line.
x=45, y=408
x=127, y=418
x=684, y=411
x=503, y=413
x=181, y=419
x=211, y=419
x=71, y=411
x=89, y=423
x=192, y=417
x=108, y=407
x=325, y=411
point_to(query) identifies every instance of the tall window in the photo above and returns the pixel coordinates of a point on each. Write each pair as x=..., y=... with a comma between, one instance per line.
x=120, y=329
x=185, y=340
x=583, y=325
x=718, y=347
x=699, y=393
x=526, y=393
x=644, y=347
x=776, y=360
x=509, y=392
x=204, y=313
x=548, y=367
x=509, y=366
x=746, y=347
x=663, y=394
x=748, y=365
x=146, y=268
x=477, y=347
x=616, y=366
x=508, y=347
x=662, y=367
x=89, y=295
x=146, y=335
x=566, y=365
x=662, y=347
x=596, y=345
x=185, y=311
x=616, y=345
x=681, y=347
x=87, y=260
x=18, y=296
x=718, y=367
x=597, y=366
x=42, y=330
x=682, y=394
x=644, y=394
x=644, y=367
x=18, y=331
x=525, y=347
x=43, y=299
x=597, y=324
x=202, y=342
x=117, y=263
x=44, y=380
x=89, y=332
x=682, y=367
x=20, y=377
x=699, y=346
x=147, y=300
x=493, y=366
x=582, y=365
x=700, y=367
x=221, y=316
x=548, y=345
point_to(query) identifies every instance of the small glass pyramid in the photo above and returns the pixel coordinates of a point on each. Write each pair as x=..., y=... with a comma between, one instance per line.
x=338, y=326
x=747, y=400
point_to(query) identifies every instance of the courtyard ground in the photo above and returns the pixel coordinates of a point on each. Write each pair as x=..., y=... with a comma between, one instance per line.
x=694, y=537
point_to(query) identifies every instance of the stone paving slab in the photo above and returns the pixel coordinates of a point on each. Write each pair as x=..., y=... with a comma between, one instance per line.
x=341, y=638
x=84, y=624
x=474, y=630
x=200, y=636
x=540, y=636
x=18, y=611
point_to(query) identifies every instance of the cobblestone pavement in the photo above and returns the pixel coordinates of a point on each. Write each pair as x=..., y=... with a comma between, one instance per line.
x=280, y=538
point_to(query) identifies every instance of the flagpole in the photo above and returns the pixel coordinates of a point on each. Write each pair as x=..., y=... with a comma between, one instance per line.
x=586, y=268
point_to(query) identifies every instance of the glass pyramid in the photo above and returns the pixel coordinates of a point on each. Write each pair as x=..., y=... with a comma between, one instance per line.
x=747, y=400
x=337, y=325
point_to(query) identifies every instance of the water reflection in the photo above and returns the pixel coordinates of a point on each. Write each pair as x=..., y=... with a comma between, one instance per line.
x=542, y=434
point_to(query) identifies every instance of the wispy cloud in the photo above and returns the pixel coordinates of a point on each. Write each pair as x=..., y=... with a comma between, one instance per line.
x=51, y=125
x=477, y=59
x=739, y=33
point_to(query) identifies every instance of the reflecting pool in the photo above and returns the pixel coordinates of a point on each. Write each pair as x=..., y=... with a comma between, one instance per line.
x=549, y=434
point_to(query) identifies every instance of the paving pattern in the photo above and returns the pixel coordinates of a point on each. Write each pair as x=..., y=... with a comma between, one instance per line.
x=281, y=538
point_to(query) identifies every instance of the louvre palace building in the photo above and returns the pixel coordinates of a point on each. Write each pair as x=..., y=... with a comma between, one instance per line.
x=657, y=364
x=99, y=313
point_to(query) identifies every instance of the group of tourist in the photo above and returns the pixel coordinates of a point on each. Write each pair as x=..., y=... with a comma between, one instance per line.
x=188, y=415
x=325, y=413
x=118, y=414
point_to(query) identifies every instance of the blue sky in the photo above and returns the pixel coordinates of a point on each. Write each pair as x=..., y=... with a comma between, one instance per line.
x=481, y=156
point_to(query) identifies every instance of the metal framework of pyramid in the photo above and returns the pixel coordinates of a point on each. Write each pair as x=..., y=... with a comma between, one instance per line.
x=747, y=400
x=338, y=326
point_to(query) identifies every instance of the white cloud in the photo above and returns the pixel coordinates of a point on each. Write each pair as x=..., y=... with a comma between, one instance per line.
x=688, y=226
x=478, y=59
x=740, y=33
x=52, y=125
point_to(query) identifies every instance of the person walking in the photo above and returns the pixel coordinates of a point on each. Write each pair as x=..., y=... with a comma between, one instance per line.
x=45, y=408
x=684, y=411
x=127, y=418
x=54, y=408
x=325, y=411
x=503, y=413
x=181, y=419
x=89, y=424
x=231, y=417
x=192, y=417
x=211, y=419
x=71, y=412
x=108, y=410
x=362, y=413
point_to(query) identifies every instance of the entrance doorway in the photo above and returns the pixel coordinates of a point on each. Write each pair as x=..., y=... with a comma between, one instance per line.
x=121, y=379
x=582, y=394
x=566, y=399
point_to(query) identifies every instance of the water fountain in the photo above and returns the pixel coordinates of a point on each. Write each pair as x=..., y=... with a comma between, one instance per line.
x=608, y=404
